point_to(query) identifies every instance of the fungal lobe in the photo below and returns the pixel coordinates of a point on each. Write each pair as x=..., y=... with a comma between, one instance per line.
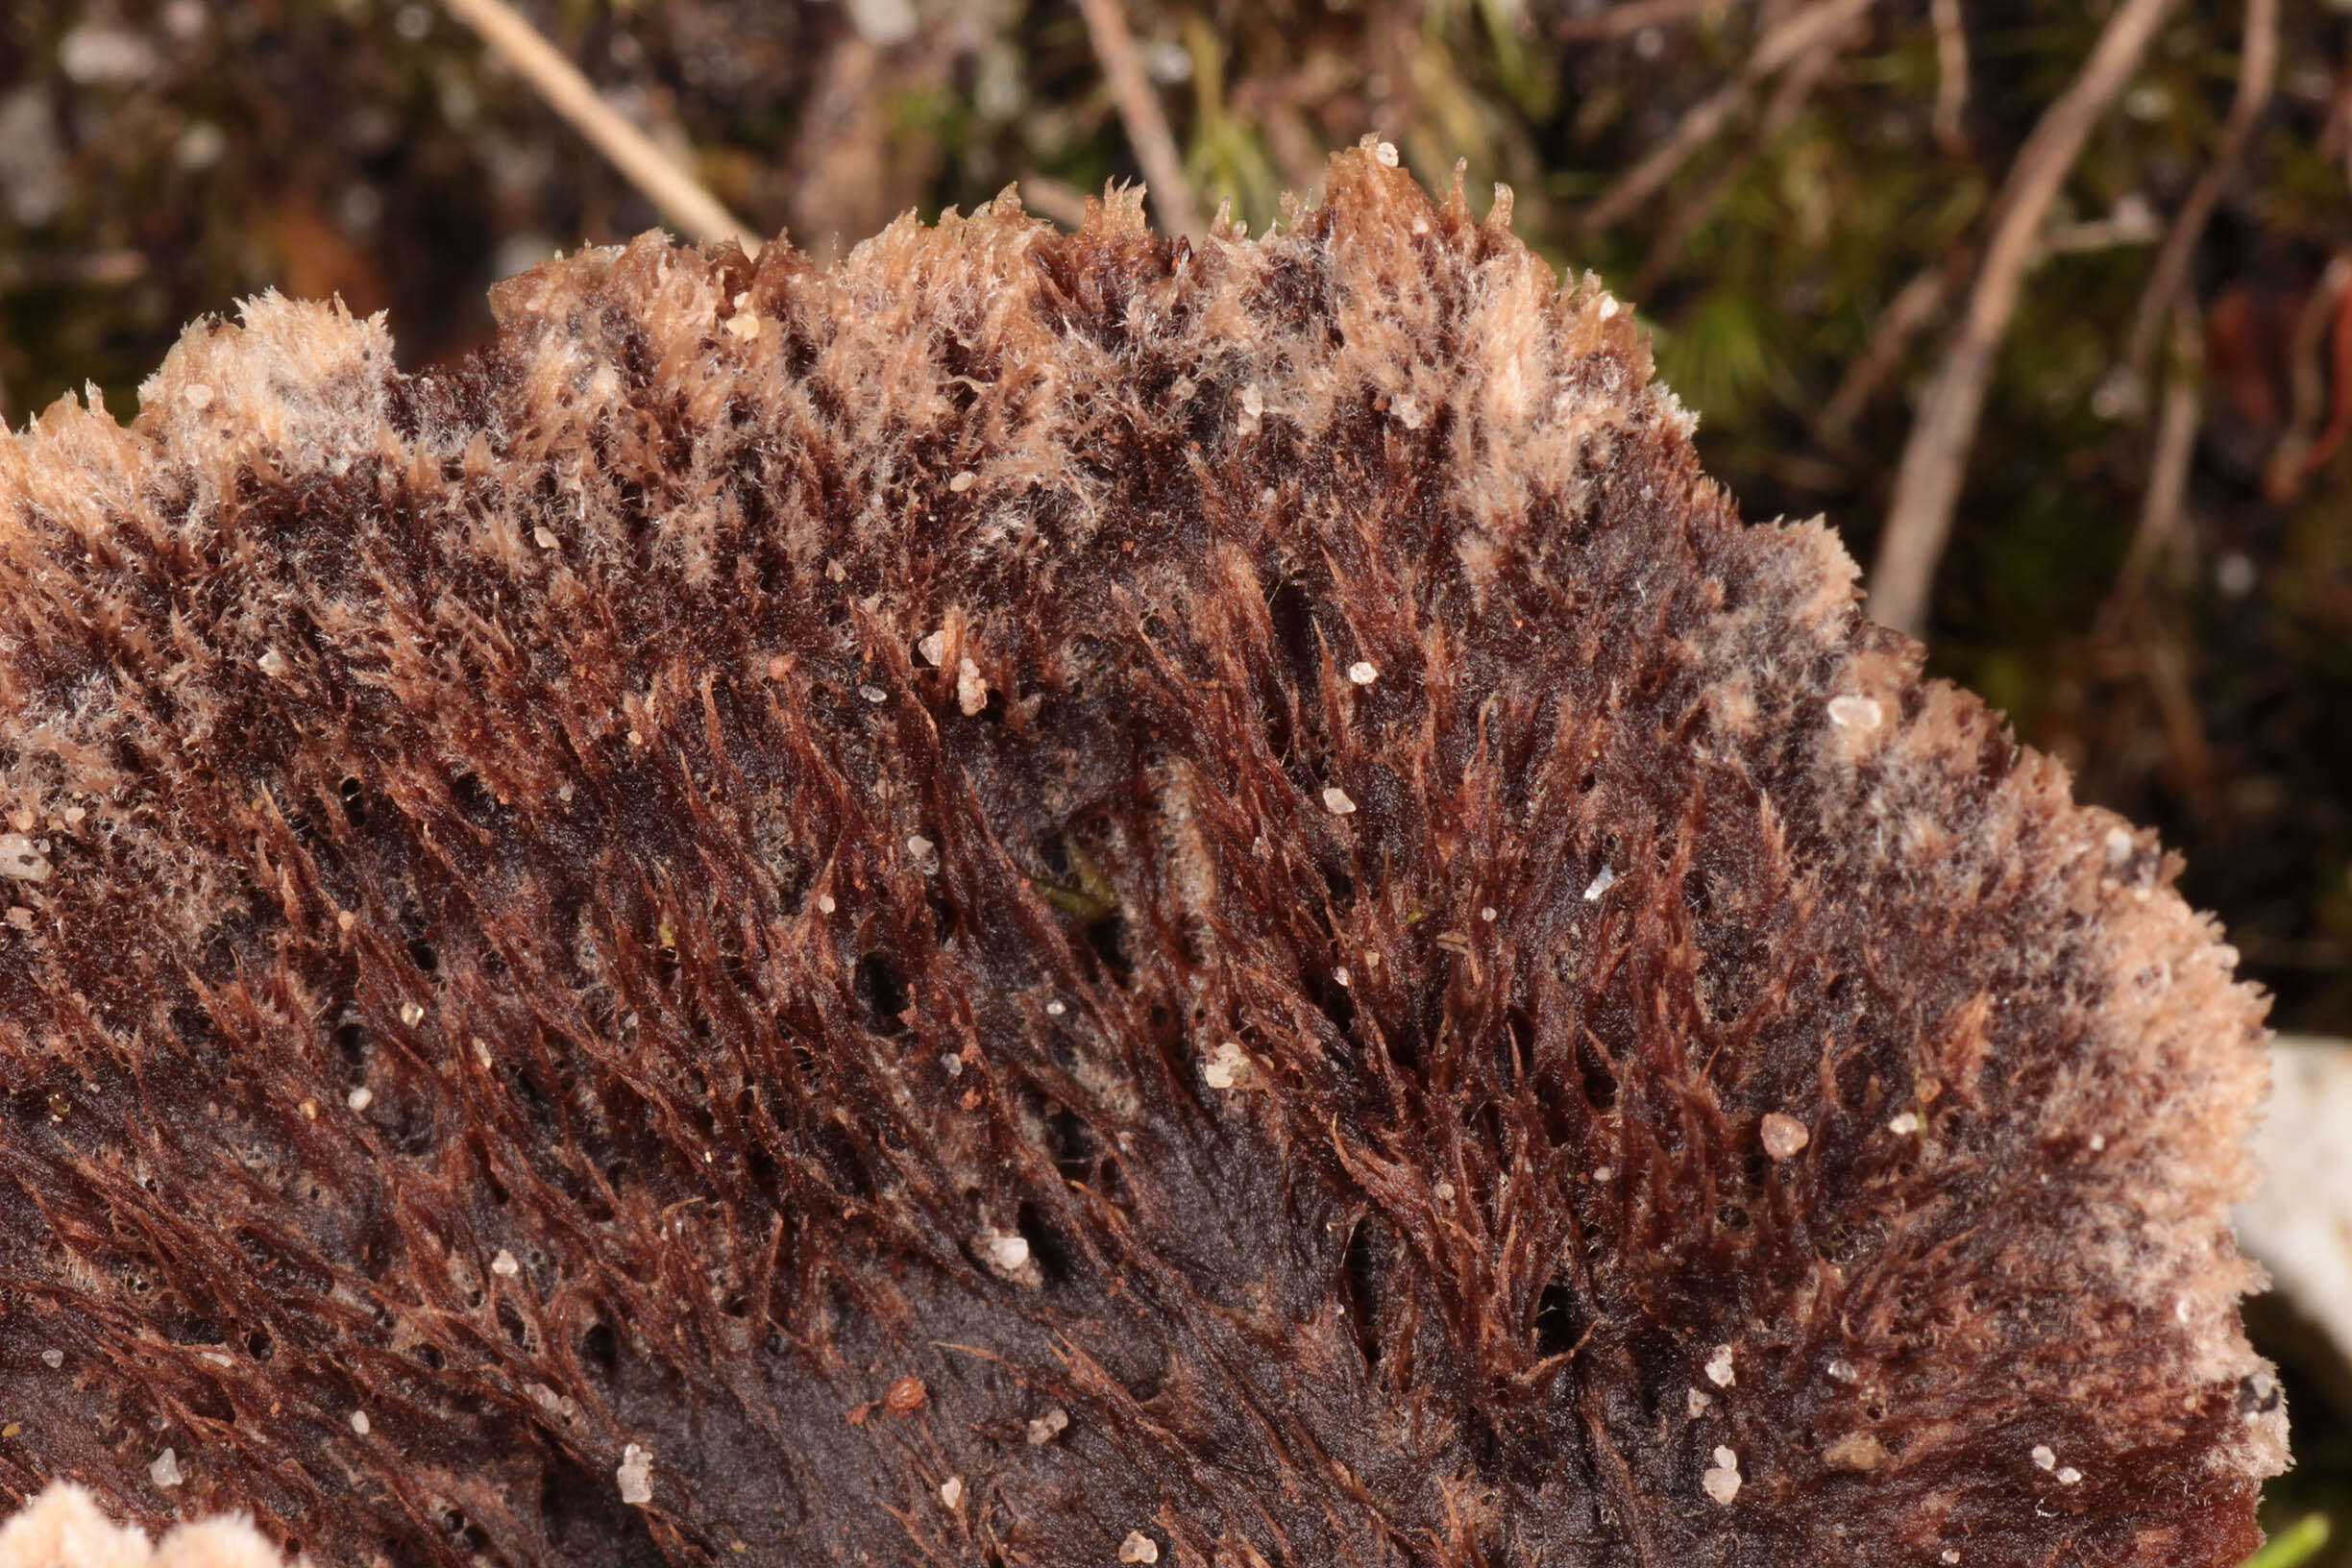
x=1208, y=877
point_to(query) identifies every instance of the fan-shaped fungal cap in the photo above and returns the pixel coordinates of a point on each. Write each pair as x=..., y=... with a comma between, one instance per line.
x=501, y=864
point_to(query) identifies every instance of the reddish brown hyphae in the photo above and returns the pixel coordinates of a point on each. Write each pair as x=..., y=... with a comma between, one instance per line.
x=1062, y=899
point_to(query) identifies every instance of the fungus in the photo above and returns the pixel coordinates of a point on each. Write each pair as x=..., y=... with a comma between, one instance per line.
x=666, y=761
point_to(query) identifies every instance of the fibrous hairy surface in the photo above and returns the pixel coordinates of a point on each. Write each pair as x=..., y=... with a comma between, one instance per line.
x=1065, y=900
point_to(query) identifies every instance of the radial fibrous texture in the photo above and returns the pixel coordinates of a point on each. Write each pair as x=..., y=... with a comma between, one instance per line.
x=1065, y=900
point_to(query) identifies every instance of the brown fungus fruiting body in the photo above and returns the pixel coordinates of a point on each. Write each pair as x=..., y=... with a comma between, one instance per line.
x=1063, y=900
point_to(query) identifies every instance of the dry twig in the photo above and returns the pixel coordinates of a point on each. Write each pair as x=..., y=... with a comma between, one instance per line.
x=2176, y=428
x=1055, y=199
x=1914, y=307
x=1620, y=21
x=1935, y=458
x=1294, y=145
x=2324, y=324
x=1951, y=76
x=1694, y=130
x=1687, y=218
x=1139, y=109
x=2336, y=128
x=2188, y=749
x=2339, y=382
x=671, y=190
x=1918, y=303
x=2257, y=75
x=1816, y=25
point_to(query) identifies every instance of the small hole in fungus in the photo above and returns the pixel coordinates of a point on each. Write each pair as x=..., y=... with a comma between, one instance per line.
x=884, y=992
x=1291, y=613
x=1337, y=1004
x=511, y=1321
x=944, y=916
x=1071, y=1142
x=1599, y=1077
x=1109, y=940
x=601, y=1346
x=1360, y=1289
x=1556, y=1320
x=1052, y=1254
x=587, y=1522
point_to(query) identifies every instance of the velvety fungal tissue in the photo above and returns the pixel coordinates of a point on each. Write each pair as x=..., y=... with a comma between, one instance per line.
x=1059, y=899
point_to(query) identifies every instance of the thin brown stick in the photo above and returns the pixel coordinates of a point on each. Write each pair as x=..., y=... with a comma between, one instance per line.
x=1685, y=220
x=1912, y=311
x=1621, y=21
x=1935, y=458
x=1788, y=101
x=1818, y=23
x=2130, y=224
x=1063, y=202
x=1295, y=145
x=2257, y=79
x=2339, y=385
x=1139, y=111
x=1694, y=130
x=1912, y=308
x=2336, y=125
x=2188, y=749
x=2176, y=429
x=674, y=192
x=2307, y=374
x=1951, y=76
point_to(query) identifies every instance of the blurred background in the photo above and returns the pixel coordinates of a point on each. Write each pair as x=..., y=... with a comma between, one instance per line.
x=2105, y=245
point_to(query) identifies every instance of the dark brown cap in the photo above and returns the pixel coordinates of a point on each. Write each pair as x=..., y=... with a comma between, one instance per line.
x=1065, y=900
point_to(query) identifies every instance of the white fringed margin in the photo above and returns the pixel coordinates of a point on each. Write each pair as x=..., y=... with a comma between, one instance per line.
x=64, y=1528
